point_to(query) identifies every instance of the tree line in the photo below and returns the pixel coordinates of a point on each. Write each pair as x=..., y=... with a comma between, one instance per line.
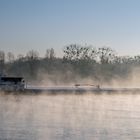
x=77, y=61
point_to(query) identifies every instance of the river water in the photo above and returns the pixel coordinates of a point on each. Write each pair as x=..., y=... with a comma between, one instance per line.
x=70, y=117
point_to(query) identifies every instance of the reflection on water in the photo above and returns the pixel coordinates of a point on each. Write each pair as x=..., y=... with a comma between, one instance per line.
x=70, y=117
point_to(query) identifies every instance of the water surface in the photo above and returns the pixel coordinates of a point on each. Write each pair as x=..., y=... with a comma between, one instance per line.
x=70, y=117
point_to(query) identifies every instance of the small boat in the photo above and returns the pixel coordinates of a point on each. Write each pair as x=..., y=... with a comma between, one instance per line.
x=12, y=83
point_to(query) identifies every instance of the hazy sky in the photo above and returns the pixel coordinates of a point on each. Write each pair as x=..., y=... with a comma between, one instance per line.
x=42, y=24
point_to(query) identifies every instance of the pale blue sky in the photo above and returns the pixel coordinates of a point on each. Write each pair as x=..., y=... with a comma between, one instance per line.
x=42, y=24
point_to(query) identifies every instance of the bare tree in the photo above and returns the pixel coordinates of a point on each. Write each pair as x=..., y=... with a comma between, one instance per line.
x=2, y=61
x=50, y=54
x=76, y=52
x=20, y=57
x=106, y=55
x=32, y=58
x=32, y=55
x=10, y=57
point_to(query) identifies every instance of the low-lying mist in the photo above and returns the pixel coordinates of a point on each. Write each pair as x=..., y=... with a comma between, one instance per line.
x=70, y=78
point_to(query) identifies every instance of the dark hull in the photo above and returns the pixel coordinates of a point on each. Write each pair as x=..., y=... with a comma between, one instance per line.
x=81, y=90
x=67, y=89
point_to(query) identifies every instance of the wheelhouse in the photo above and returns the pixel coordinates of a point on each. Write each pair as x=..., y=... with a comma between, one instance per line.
x=12, y=83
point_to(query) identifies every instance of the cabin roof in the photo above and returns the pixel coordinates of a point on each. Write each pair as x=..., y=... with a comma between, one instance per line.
x=14, y=79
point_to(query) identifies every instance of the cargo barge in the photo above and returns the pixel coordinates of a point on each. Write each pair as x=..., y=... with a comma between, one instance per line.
x=18, y=84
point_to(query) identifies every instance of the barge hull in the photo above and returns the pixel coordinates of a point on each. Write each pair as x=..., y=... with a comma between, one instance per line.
x=81, y=90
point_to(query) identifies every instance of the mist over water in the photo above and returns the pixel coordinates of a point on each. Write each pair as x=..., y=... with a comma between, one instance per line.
x=86, y=116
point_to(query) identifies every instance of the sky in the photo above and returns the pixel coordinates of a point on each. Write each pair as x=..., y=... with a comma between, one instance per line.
x=44, y=24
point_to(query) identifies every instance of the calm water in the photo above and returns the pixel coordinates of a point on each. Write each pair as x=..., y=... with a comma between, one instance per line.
x=70, y=117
